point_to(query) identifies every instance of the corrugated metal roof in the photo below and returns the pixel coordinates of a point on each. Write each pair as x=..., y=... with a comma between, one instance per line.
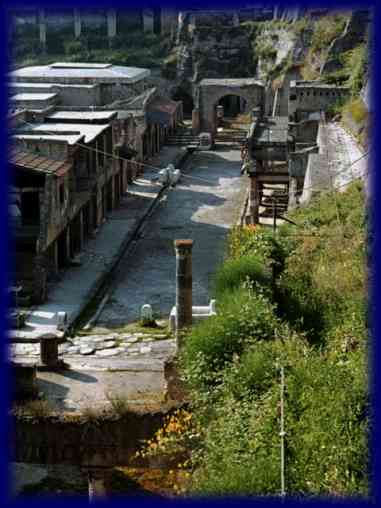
x=39, y=163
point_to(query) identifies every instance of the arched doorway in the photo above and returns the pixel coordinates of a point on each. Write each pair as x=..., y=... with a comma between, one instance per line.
x=211, y=91
x=182, y=95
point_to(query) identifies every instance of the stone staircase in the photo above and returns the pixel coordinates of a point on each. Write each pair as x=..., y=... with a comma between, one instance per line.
x=183, y=137
x=281, y=203
x=236, y=136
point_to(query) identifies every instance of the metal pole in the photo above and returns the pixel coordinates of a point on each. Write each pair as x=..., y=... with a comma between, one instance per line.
x=282, y=433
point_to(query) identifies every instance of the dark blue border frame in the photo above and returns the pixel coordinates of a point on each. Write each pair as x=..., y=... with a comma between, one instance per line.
x=374, y=237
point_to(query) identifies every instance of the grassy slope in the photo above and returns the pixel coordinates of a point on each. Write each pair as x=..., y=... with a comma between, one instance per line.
x=317, y=332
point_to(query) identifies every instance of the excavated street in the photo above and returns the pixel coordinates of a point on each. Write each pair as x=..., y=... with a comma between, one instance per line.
x=203, y=206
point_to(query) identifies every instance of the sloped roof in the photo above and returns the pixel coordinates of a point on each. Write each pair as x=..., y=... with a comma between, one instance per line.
x=38, y=163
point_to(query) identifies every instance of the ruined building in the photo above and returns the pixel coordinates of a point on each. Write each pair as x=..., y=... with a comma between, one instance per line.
x=80, y=132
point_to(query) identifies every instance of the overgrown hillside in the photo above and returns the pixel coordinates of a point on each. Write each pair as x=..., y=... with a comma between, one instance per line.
x=298, y=301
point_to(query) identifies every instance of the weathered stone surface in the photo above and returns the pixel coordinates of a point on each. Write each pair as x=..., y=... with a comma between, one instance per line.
x=73, y=350
x=86, y=350
x=109, y=352
x=212, y=46
x=107, y=345
x=132, y=340
x=145, y=349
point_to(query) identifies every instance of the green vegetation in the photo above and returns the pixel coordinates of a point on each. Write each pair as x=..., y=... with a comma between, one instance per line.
x=311, y=320
x=324, y=31
x=134, y=48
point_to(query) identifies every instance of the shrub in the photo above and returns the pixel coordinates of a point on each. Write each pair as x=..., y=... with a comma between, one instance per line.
x=235, y=273
x=243, y=319
x=355, y=63
x=356, y=109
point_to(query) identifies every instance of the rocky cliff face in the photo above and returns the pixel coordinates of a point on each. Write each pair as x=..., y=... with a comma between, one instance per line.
x=212, y=46
x=354, y=34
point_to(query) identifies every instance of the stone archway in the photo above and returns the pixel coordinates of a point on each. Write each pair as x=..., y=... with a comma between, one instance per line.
x=212, y=90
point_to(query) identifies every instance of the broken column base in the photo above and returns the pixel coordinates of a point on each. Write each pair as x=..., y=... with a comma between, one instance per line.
x=198, y=314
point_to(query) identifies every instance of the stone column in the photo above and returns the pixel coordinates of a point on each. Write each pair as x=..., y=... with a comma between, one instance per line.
x=111, y=23
x=55, y=257
x=195, y=122
x=77, y=23
x=67, y=243
x=148, y=20
x=42, y=27
x=253, y=200
x=81, y=229
x=183, y=285
x=39, y=279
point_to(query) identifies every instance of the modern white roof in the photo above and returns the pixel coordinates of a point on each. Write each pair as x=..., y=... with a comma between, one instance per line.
x=89, y=131
x=99, y=72
x=33, y=97
x=70, y=139
x=48, y=86
x=80, y=65
x=83, y=115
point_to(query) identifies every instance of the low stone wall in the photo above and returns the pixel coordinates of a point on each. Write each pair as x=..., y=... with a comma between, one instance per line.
x=89, y=441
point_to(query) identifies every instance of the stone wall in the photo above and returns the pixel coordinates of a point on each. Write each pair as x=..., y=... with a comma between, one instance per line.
x=310, y=96
x=94, y=441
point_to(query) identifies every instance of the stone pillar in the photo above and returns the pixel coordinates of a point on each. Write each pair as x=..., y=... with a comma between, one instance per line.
x=42, y=27
x=55, y=268
x=77, y=23
x=253, y=200
x=195, y=122
x=49, y=350
x=68, y=243
x=183, y=285
x=148, y=20
x=81, y=229
x=111, y=23
x=96, y=481
x=168, y=21
x=39, y=279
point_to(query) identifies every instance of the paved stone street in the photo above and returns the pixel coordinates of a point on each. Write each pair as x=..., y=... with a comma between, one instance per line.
x=203, y=206
x=344, y=155
x=102, y=366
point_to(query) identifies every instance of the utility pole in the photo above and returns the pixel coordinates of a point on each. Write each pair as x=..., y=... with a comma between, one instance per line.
x=282, y=434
